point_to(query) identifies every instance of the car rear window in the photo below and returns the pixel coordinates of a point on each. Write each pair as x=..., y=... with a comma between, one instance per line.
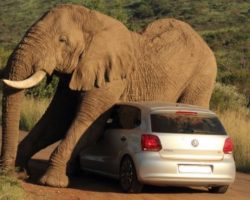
x=186, y=124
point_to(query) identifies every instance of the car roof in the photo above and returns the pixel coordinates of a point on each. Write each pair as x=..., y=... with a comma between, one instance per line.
x=154, y=106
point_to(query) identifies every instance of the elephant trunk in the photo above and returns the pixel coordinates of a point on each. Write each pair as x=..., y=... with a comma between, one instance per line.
x=11, y=104
x=18, y=68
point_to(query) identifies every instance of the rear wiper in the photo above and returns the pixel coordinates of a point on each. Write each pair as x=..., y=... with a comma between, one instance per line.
x=201, y=131
x=186, y=131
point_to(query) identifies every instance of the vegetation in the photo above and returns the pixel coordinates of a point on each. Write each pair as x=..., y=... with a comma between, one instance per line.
x=31, y=112
x=10, y=188
x=225, y=25
x=227, y=97
x=237, y=124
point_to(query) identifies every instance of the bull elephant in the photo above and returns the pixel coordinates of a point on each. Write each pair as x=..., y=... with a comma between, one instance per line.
x=99, y=62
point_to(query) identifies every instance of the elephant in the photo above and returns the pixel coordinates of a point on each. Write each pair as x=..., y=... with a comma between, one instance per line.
x=99, y=62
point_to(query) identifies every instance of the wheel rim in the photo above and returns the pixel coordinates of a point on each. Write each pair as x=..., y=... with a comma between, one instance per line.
x=126, y=174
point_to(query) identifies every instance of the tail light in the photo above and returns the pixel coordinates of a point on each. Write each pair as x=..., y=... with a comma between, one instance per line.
x=228, y=146
x=150, y=143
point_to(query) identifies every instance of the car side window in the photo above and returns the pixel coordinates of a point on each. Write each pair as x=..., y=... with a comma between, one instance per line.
x=124, y=117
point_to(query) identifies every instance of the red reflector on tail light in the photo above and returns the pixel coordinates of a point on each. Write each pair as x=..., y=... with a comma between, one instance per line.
x=150, y=143
x=180, y=112
x=228, y=146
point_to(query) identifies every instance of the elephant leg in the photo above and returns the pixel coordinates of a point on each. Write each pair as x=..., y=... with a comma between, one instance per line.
x=30, y=145
x=90, y=137
x=51, y=127
x=94, y=103
x=199, y=91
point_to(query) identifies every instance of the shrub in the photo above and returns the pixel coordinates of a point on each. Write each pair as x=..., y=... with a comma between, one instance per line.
x=95, y=4
x=161, y=7
x=227, y=97
x=43, y=90
x=141, y=10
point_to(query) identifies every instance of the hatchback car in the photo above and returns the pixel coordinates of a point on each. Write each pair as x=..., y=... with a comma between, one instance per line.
x=162, y=144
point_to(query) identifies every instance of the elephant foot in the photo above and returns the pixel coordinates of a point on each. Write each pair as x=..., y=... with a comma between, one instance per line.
x=22, y=174
x=15, y=172
x=54, y=178
x=22, y=171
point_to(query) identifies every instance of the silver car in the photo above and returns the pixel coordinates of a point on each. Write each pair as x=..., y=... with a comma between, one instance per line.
x=162, y=144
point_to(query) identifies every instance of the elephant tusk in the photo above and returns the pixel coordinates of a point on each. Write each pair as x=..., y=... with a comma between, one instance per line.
x=33, y=80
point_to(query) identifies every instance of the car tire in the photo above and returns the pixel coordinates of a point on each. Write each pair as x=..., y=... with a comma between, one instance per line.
x=218, y=189
x=128, y=177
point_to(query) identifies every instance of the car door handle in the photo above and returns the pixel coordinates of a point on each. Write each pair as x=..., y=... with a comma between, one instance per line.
x=123, y=138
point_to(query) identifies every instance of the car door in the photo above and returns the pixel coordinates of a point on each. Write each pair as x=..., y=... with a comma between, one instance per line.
x=119, y=128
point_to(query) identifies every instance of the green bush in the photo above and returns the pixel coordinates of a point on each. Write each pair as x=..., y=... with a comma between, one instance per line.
x=143, y=11
x=44, y=89
x=161, y=7
x=227, y=97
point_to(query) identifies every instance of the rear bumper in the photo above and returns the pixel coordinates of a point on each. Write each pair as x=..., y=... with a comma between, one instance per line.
x=152, y=169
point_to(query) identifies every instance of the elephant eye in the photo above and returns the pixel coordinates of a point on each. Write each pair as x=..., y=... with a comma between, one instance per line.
x=63, y=39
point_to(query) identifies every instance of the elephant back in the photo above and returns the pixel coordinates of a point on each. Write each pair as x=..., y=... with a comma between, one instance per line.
x=165, y=32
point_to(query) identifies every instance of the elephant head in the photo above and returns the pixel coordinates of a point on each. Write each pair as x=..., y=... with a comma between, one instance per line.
x=70, y=39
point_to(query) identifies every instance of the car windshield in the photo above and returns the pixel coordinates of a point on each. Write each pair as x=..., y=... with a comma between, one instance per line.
x=186, y=124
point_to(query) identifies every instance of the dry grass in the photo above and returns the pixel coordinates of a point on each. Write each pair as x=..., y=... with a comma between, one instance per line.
x=31, y=112
x=10, y=188
x=237, y=124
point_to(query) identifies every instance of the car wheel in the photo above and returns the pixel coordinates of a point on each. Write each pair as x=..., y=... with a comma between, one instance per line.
x=218, y=189
x=128, y=177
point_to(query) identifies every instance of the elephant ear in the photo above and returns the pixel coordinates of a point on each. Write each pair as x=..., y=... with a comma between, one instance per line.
x=108, y=56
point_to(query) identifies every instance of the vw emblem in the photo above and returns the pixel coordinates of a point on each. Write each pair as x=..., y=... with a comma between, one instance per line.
x=195, y=142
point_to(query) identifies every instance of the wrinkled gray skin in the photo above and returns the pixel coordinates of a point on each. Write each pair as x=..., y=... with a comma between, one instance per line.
x=99, y=62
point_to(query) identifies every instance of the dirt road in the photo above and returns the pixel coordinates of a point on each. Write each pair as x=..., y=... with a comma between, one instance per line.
x=93, y=187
